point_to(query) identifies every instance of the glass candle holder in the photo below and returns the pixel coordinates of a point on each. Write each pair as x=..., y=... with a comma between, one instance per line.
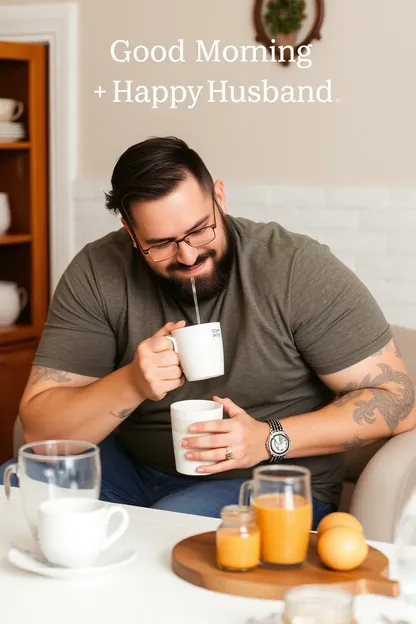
x=238, y=539
x=317, y=604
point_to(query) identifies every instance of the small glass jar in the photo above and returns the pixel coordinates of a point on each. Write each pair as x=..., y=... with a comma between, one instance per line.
x=238, y=539
x=317, y=604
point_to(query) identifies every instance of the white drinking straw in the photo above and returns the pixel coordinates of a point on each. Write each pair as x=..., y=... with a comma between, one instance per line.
x=198, y=318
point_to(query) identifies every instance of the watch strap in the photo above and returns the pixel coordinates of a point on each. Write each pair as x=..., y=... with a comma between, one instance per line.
x=274, y=459
x=274, y=424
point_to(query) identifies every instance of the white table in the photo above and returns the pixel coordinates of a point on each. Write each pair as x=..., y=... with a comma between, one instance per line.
x=146, y=591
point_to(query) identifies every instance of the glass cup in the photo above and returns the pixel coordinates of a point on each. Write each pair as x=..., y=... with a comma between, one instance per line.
x=282, y=498
x=54, y=469
x=317, y=604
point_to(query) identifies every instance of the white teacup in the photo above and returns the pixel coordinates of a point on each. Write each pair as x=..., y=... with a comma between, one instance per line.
x=72, y=532
x=5, y=213
x=183, y=414
x=13, y=299
x=200, y=350
x=10, y=110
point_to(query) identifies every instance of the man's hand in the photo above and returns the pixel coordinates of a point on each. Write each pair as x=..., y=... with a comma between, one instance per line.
x=155, y=368
x=240, y=434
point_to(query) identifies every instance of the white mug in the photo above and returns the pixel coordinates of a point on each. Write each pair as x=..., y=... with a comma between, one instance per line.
x=72, y=532
x=10, y=110
x=183, y=414
x=5, y=214
x=13, y=299
x=200, y=350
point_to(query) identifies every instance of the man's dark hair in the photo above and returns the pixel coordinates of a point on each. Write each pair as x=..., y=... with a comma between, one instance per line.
x=152, y=169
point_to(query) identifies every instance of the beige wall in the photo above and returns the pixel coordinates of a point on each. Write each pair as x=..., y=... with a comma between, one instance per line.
x=368, y=50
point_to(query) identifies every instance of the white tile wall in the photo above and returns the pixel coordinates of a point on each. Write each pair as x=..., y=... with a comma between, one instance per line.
x=372, y=230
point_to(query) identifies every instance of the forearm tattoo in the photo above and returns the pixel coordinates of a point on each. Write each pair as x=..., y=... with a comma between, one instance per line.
x=123, y=413
x=393, y=406
x=355, y=443
x=53, y=374
x=49, y=374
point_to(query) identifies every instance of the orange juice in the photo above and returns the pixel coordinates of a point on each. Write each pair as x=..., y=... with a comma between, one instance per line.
x=238, y=550
x=285, y=524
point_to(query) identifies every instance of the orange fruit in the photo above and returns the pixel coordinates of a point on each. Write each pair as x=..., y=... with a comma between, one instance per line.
x=339, y=518
x=342, y=548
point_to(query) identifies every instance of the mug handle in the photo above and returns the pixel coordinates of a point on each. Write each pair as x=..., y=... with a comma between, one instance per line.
x=20, y=109
x=122, y=527
x=245, y=491
x=175, y=344
x=10, y=470
x=23, y=297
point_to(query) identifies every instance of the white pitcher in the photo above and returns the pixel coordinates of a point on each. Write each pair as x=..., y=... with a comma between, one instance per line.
x=13, y=299
x=5, y=214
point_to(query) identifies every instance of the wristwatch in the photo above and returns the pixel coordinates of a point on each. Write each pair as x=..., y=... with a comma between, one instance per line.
x=278, y=442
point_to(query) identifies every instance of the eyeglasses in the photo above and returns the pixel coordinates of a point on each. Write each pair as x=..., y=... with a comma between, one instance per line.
x=165, y=251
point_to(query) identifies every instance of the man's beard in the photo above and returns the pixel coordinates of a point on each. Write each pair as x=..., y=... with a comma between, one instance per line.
x=207, y=286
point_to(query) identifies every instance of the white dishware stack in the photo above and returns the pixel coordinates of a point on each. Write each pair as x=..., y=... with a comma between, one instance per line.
x=11, y=131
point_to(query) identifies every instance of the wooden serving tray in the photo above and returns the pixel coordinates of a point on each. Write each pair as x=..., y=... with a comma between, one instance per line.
x=194, y=560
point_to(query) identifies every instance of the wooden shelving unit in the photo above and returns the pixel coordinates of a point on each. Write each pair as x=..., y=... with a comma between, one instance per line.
x=22, y=145
x=17, y=333
x=14, y=239
x=24, y=248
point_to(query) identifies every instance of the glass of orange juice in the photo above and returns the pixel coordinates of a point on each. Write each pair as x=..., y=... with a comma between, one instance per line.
x=238, y=539
x=282, y=498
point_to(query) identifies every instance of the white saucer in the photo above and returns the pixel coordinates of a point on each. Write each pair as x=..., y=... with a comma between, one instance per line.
x=31, y=562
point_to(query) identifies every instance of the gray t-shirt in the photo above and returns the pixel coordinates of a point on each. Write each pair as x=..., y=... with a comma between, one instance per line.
x=291, y=310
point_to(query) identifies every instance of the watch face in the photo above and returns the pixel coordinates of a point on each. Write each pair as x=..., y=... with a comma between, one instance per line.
x=279, y=444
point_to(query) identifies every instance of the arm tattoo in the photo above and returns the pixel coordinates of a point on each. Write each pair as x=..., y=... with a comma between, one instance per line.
x=394, y=407
x=355, y=443
x=396, y=350
x=49, y=374
x=350, y=395
x=123, y=413
x=379, y=352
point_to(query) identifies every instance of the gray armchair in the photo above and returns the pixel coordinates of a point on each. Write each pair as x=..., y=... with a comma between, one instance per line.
x=380, y=477
x=378, y=483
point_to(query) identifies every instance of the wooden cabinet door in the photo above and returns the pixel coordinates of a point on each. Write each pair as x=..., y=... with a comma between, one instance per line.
x=15, y=364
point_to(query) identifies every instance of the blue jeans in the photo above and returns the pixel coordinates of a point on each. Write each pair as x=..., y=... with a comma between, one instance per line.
x=126, y=481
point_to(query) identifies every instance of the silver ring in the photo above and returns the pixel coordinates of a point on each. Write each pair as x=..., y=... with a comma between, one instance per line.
x=228, y=454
